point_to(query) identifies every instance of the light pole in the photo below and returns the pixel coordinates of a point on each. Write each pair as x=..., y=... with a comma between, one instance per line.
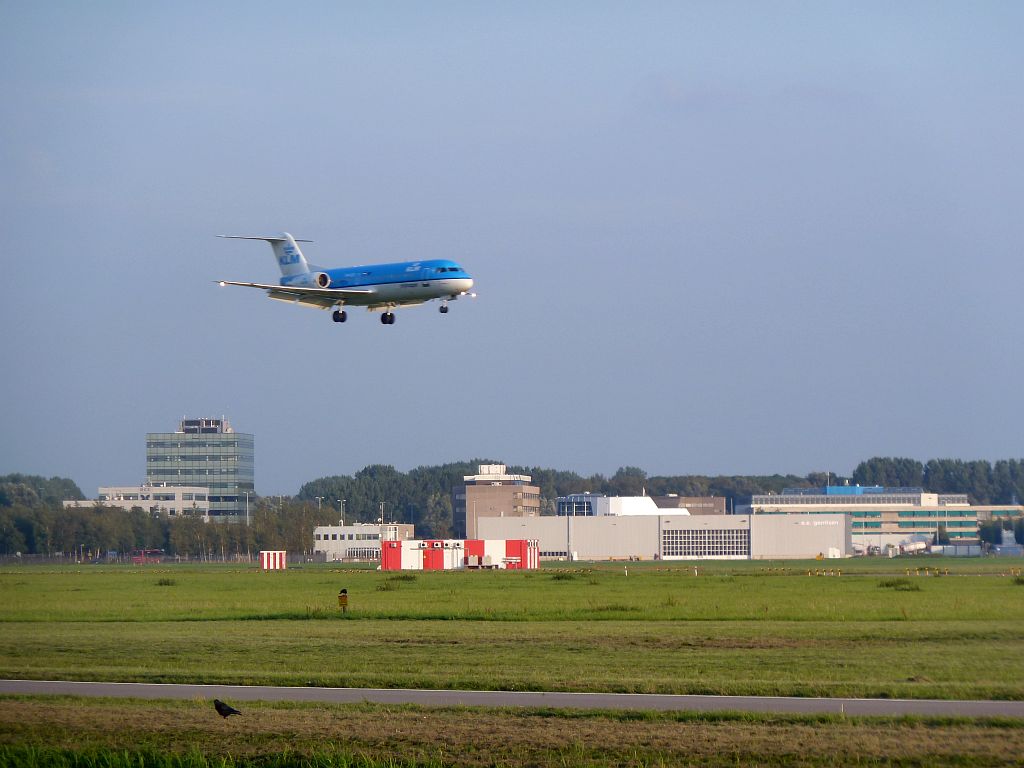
x=318, y=500
x=342, y=503
x=246, y=508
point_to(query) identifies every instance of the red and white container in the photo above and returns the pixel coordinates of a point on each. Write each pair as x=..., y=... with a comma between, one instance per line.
x=273, y=559
x=456, y=554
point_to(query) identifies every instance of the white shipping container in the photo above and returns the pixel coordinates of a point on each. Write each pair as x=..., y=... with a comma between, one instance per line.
x=412, y=557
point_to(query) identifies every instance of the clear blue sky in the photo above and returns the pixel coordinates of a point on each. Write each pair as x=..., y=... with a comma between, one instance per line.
x=708, y=237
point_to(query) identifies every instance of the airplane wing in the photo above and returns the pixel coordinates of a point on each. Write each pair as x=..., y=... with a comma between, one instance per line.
x=325, y=298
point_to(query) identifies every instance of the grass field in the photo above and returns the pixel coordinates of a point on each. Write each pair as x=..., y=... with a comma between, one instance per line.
x=735, y=628
x=190, y=735
x=730, y=629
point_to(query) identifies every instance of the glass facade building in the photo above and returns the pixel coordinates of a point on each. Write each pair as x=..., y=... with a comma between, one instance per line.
x=207, y=453
x=888, y=516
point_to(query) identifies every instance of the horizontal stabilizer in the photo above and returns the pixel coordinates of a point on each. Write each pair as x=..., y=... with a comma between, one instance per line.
x=272, y=239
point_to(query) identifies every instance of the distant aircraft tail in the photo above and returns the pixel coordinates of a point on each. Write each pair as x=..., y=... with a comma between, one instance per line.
x=286, y=251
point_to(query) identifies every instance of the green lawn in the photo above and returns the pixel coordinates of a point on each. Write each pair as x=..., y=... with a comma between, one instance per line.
x=631, y=591
x=743, y=628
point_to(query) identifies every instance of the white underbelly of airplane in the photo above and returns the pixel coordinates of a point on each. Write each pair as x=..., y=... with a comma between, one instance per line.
x=382, y=296
x=410, y=293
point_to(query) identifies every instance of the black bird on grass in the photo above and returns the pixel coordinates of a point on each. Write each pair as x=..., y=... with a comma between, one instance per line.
x=224, y=710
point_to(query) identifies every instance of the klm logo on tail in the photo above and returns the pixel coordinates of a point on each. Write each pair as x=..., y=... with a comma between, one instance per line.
x=289, y=255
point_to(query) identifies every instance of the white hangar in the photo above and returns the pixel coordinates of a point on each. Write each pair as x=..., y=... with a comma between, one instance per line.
x=679, y=537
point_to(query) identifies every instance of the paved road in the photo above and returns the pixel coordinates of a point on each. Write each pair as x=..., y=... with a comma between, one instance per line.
x=557, y=699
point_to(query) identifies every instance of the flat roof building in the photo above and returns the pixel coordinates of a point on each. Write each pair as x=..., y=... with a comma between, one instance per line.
x=679, y=537
x=206, y=452
x=492, y=492
x=173, y=501
x=883, y=517
x=695, y=505
x=599, y=505
x=361, y=541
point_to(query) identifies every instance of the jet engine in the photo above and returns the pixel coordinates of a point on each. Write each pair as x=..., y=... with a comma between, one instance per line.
x=311, y=280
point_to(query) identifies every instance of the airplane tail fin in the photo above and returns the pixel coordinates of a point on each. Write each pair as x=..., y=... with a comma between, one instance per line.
x=286, y=251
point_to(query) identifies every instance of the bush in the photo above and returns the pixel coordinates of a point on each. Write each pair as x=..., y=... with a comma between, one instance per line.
x=900, y=585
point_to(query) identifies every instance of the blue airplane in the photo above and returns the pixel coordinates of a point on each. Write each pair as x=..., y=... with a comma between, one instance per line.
x=378, y=287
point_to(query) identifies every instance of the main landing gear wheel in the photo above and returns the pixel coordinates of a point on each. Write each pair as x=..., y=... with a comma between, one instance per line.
x=388, y=318
x=340, y=316
x=444, y=309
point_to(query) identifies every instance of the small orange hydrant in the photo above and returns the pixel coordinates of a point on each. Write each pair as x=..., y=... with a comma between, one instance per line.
x=343, y=600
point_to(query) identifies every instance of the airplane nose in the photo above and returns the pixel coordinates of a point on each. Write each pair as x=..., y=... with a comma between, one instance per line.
x=465, y=285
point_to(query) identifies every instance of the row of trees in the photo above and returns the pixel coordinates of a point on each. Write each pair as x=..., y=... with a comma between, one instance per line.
x=422, y=496
x=32, y=520
x=984, y=482
x=95, y=531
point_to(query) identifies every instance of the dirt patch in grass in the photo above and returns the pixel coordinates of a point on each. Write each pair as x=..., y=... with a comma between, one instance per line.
x=667, y=642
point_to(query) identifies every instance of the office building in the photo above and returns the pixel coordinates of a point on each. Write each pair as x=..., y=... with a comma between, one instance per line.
x=883, y=517
x=173, y=501
x=492, y=492
x=209, y=453
x=356, y=542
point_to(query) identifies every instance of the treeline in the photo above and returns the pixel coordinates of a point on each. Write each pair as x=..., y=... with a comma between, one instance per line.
x=983, y=482
x=32, y=490
x=32, y=520
x=423, y=496
x=95, y=531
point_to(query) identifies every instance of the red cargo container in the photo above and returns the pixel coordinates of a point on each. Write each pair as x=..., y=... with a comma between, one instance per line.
x=433, y=555
x=391, y=556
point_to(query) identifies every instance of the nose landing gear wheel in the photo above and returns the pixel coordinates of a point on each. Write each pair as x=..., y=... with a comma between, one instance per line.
x=388, y=318
x=444, y=309
x=340, y=316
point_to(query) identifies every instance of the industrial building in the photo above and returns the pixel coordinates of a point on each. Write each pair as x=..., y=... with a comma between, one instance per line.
x=361, y=541
x=599, y=505
x=679, y=537
x=887, y=517
x=458, y=554
x=695, y=505
x=205, y=452
x=173, y=501
x=492, y=492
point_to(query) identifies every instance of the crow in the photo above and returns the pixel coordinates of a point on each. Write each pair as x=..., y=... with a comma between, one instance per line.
x=224, y=710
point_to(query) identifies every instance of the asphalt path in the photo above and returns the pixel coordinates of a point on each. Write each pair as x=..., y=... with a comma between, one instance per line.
x=533, y=699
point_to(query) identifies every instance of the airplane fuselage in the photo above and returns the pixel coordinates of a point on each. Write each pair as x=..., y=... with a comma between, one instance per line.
x=406, y=282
